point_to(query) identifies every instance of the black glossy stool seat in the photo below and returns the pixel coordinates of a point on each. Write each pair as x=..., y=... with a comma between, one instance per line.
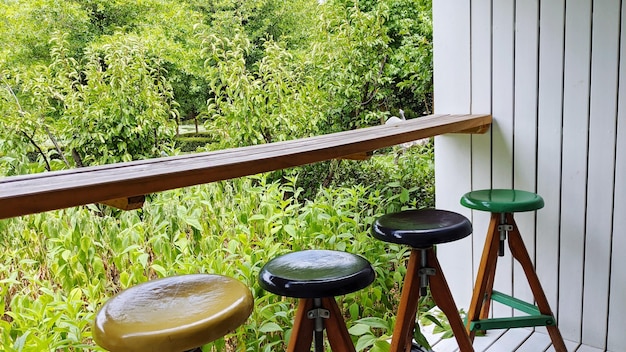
x=421, y=230
x=316, y=277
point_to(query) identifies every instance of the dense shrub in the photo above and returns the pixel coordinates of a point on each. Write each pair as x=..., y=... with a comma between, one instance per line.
x=61, y=266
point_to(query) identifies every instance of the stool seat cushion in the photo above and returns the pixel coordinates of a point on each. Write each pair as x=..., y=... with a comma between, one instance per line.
x=502, y=200
x=421, y=228
x=172, y=314
x=316, y=274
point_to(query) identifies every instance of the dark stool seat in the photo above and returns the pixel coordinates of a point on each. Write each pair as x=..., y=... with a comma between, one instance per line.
x=502, y=200
x=502, y=203
x=175, y=314
x=316, y=277
x=421, y=230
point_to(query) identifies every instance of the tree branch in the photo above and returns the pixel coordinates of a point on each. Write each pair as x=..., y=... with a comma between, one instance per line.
x=56, y=145
x=32, y=141
x=380, y=73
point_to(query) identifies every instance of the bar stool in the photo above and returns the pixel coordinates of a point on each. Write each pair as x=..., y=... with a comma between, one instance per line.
x=177, y=313
x=502, y=203
x=421, y=230
x=316, y=277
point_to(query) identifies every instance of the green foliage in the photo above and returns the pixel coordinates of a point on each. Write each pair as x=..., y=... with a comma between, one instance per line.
x=408, y=175
x=61, y=266
x=92, y=82
x=106, y=80
x=192, y=142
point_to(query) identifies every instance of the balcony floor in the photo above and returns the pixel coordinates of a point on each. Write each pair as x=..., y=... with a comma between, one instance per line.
x=518, y=340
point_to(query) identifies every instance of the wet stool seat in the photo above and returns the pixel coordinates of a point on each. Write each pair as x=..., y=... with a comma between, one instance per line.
x=176, y=313
x=316, y=274
x=316, y=277
x=502, y=200
x=421, y=228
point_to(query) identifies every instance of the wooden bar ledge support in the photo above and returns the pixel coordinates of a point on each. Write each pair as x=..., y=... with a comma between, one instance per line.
x=126, y=203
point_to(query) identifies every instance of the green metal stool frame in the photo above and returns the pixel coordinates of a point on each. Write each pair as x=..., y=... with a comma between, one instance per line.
x=502, y=203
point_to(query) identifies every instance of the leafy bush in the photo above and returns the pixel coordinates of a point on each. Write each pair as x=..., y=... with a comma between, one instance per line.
x=192, y=142
x=61, y=266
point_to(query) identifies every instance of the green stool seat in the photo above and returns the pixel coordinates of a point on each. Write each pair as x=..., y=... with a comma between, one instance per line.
x=502, y=200
x=174, y=314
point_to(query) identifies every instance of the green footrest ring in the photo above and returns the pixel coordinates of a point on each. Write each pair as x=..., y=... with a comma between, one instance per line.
x=514, y=322
x=535, y=318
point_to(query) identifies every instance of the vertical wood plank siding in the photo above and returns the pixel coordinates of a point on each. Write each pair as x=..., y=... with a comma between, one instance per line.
x=552, y=75
x=574, y=176
x=455, y=158
x=525, y=117
x=502, y=104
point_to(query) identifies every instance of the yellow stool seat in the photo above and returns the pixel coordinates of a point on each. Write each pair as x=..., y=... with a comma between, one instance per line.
x=176, y=313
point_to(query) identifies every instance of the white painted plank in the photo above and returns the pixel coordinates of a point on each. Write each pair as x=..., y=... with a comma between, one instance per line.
x=481, y=101
x=502, y=128
x=525, y=138
x=549, y=143
x=586, y=348
x=482, y=343
x=570, y=345
x=510, y=341
x=446, y=345
x=451, y=49
x=604, y=73
x=535, y=343
x=451, y=46
x=616, y=339
x=575, y=123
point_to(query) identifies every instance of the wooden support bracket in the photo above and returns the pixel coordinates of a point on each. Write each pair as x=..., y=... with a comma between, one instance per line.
x=476, y=130
x=127, y=203
x=358, y=156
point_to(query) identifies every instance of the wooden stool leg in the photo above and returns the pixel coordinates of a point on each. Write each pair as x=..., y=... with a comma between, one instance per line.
x=444, y=300
x=336, y=330
x=491, y=275
x=407, y=310
x=302, y=333
x=519, y=252
x=486, y=272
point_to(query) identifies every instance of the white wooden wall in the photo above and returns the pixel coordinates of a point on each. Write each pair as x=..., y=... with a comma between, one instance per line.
x=550, y=74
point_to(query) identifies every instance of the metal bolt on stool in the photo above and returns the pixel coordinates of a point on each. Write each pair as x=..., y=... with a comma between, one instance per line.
x=316, y=277
x=422, y=230
x=172, y=314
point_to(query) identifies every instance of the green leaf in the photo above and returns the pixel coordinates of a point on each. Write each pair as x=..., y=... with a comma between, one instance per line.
x=75, y=295
x=433, y=319
x=404, y=195
x=359, y=329
x=381, y=346
x=193, y=222
x=270, y=327
x=364, y=342
x=420, y=338
x=159, y=269
x=374, y=322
